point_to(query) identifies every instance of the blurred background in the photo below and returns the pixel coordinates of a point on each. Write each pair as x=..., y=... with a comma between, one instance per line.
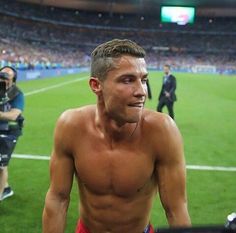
x=193, y=35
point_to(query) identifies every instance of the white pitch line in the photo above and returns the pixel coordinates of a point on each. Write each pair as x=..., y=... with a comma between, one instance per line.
x=190, y=167
x=211, y=168
x=35, y=157
x=54, y=86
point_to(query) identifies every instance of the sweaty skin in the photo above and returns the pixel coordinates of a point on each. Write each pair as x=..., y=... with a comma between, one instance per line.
x=121, y=155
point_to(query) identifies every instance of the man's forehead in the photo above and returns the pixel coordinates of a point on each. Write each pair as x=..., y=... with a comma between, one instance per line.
x=127, y=60
x=130, y=57
x=128, y=64
x=9, y=71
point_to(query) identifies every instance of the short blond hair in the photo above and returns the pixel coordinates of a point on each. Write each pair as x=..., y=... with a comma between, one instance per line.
x=103, y=56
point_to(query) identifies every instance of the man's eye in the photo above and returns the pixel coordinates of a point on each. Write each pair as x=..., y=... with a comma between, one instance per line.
x=127, y=80
x=144, y=81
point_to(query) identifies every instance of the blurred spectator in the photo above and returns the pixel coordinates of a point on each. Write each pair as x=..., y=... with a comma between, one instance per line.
x=53, y=37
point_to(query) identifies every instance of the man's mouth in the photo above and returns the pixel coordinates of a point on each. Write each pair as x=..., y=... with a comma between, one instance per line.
x=136, y=105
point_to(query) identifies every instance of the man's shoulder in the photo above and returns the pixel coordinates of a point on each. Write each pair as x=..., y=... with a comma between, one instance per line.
x=17, y=100
x=157, y=122
x=77, y=115
x=154, y=117
x=161, y=133
x=172, y=76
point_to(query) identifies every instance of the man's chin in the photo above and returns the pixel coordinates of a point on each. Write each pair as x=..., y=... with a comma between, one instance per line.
x=134, y=119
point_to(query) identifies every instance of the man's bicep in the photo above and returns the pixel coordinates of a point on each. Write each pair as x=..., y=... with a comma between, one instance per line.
x=61, y=164
x=173, y=196
x=61, y=174
x=170, y=169
x=171, y=184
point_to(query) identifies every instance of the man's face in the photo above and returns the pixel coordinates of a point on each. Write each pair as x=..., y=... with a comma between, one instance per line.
x=166, y=70
x=124, y=90
x=8, y=81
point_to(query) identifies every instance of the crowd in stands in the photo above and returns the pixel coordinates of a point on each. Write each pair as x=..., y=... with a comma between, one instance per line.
x=39, y=37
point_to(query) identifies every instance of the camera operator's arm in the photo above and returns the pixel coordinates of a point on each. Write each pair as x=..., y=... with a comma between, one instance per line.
x=17, y=107
x=11, y=115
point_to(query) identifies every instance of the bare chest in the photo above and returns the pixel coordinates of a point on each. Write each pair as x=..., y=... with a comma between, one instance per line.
x=122, y=170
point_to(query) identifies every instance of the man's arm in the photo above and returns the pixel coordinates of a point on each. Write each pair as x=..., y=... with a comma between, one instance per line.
x=171, y=175
x=17, y=107
x=172, y=89
x=173, y=85
x=11, y=115
x=61, y=179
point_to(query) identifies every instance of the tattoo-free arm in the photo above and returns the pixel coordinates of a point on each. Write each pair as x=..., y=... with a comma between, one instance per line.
x=171, y=177
x=61, y=179
x=11, y=115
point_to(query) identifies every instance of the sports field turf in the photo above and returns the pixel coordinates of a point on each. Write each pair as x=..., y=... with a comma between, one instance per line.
x=205, y=113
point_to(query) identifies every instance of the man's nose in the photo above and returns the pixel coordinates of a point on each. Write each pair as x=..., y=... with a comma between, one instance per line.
x=141, y=89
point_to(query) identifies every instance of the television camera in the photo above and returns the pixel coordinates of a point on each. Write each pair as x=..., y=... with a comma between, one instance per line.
x=3, y=91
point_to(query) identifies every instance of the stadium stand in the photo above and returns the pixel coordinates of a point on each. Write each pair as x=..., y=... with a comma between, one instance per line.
x=54, y=37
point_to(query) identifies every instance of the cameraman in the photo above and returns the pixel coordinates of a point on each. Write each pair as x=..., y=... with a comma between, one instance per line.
x=11, y=123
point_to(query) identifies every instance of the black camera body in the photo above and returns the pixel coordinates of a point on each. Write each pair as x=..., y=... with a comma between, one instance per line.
x=4, y=75
x=3, y=91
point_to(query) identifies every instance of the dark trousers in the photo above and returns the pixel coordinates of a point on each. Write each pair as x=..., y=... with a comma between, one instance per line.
x=168, y=103
x=7, y=145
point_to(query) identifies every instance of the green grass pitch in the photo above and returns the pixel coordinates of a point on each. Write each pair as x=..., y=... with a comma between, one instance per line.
x=205, y=113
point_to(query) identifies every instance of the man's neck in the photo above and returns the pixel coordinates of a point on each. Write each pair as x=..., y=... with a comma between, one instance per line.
x=114, y=129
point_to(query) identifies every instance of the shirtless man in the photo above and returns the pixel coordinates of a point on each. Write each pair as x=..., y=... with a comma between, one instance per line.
x=120, y=153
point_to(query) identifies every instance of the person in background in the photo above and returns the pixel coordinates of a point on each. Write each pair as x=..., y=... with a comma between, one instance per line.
x=167, y=95
x=11, y=123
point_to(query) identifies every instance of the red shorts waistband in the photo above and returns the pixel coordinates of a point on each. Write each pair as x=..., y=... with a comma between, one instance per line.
x=81, y=228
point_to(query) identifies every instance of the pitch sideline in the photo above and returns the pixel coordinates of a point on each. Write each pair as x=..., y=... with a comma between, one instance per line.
x=189, y=167
x=54, y=86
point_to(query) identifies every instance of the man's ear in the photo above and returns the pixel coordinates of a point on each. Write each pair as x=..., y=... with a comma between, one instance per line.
x=95, y=85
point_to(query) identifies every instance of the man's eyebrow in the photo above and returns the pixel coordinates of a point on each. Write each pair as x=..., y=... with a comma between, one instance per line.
x=127, y=76
x=146, y=75
x=130, y=75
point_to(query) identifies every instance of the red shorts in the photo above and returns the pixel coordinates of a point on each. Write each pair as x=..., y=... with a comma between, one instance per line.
x=81, y=228
x=151, y=229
